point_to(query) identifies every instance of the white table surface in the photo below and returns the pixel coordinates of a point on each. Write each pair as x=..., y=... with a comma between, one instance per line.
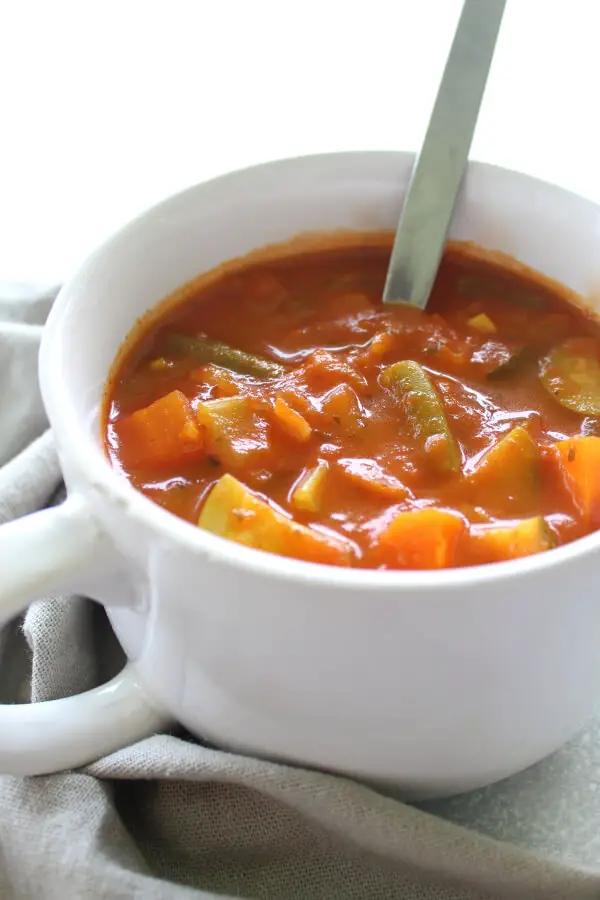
x=109, y=105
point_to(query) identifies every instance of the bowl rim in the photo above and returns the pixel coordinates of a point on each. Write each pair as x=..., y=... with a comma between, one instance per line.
x=112, y=486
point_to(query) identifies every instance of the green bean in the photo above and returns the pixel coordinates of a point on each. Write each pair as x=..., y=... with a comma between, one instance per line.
x=206, y=350
x=424, y=412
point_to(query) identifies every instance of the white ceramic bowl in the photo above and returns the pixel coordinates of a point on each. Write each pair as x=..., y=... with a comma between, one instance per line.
x=433, y=682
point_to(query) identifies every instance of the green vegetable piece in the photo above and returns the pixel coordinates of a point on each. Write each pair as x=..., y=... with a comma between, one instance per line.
x=408, y=382
x=571, y=374
x=205, y=350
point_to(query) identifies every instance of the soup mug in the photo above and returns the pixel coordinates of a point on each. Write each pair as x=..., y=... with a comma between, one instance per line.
x=430, y=682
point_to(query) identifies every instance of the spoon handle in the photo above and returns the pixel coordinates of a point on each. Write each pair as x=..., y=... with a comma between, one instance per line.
x=441, y=164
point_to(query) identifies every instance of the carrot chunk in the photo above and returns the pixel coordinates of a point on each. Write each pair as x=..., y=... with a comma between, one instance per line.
x=578, y=461
x=422, y=538
x=162, y=433
x=291, y=421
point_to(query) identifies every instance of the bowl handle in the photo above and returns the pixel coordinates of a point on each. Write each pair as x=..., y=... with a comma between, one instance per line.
x=50, y=552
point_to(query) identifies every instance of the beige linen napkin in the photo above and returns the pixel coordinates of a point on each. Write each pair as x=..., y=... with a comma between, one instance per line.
x=172, y=818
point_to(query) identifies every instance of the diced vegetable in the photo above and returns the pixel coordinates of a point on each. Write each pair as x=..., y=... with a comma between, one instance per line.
x=234, y=431
x=308, y=491
x=424, y=412
x=164, y=432
x=578, y=461
x=205, y=350
x=232, y=511
x=511, y=540
x=571, y=374
x=291, y=421
x=343, y=406
x=368, y=474
x=483, y=323
x=508, y=475
x=422, y=538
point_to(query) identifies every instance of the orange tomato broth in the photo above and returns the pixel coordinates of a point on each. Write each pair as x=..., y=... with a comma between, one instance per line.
x=385, y=497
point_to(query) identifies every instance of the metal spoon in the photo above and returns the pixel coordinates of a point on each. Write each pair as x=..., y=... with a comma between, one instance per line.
x=441, y=164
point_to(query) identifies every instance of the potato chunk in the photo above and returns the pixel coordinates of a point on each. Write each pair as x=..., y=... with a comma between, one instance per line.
x=511, y=540
x=508, y=475
x=234, y=431
x=233, y=511
x=308, y=491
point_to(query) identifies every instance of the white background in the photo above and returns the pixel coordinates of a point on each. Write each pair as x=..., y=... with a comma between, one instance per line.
x=106, y=107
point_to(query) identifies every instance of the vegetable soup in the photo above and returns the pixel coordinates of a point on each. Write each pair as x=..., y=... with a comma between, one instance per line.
x=282, y=406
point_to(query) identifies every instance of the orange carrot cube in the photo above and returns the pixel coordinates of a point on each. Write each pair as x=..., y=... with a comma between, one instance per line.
x=422, y=538
x=578, y=462
x=162, y=433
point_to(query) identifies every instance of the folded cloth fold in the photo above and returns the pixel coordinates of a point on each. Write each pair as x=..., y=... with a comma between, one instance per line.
x=171, y=818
